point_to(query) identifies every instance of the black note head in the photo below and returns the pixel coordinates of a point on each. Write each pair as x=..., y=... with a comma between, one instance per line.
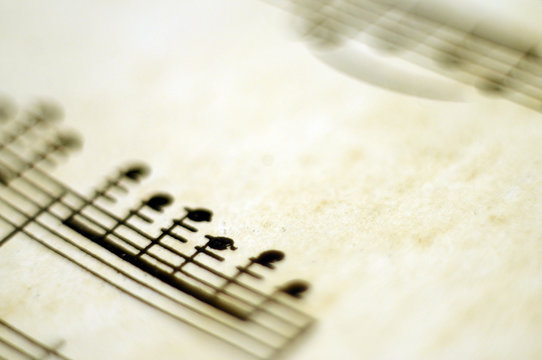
x=295, y=288
x=136, y=172
x=199, y=215
x=48, y=111
x=267, y=258
x=220, y=242
x=159, y=201
x=69, y=141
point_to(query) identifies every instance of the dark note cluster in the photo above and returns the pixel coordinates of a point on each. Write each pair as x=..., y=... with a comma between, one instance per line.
x=171, y=269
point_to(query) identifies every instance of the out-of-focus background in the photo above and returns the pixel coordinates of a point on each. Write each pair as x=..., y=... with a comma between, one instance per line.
x=417, y=222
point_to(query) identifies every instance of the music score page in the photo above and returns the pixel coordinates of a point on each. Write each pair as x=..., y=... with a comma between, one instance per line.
x=415, y=223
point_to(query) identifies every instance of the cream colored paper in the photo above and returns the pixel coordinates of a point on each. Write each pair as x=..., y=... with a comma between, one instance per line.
x=416, y=222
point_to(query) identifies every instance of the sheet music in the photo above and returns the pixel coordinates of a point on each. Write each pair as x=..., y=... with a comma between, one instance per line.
x=195, y=181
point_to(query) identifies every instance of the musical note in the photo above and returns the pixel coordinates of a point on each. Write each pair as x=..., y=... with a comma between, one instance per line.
x=213, y=242
x=156, y=203
x=73, y=221
x=197, y=215
x=61, y=144
x=47, y=111
x=266, y=259
x=483, y=62
x=135, y=172
x=142, y=257
x=295, y=288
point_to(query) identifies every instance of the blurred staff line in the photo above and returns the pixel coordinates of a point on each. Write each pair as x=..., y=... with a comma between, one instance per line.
x=511, y=72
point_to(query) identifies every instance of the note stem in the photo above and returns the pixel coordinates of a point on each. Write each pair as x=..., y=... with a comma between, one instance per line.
x=163, y=233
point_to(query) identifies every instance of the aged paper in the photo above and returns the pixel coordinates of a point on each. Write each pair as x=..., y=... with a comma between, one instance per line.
x=416, y=222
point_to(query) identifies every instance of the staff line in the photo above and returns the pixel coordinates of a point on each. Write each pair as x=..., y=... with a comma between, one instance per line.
x=16, y=349
x=140, y=282
x=148, y=237
x=463, y=75
x=35, y=342
x=414, y=50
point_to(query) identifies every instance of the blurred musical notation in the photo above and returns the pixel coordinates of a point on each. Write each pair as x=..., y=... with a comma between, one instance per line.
x=166, y=271
x=511, y=68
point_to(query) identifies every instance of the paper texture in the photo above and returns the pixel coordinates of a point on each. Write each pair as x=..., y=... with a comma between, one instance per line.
x=416, y=222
